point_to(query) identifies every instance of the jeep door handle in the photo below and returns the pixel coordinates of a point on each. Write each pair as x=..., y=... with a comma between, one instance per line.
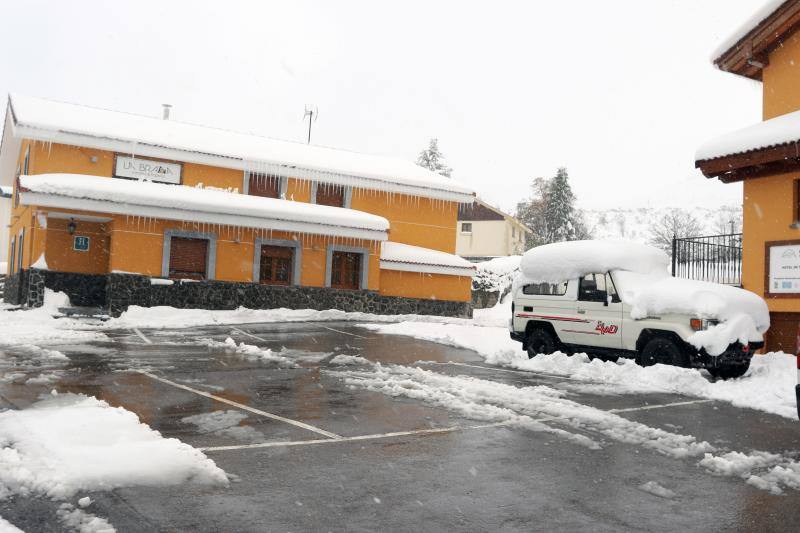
x=581, y=311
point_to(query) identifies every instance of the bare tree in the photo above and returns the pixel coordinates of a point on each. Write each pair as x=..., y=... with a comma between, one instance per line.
x=675, y=223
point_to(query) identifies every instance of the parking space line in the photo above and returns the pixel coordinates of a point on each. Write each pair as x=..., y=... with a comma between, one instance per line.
x=309, y=427
x=433, y=431
x=141, y=336
x=344, y=332
x=256, y=337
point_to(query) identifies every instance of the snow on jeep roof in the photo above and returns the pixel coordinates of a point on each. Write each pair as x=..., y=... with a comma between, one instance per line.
x=562, y=261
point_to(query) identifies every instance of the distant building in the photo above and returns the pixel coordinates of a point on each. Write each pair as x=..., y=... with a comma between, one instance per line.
x=765, y=157
x=484, y=232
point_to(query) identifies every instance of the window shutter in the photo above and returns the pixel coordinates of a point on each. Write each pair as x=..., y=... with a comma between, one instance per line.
x=188, y=258
x=263, y=185
x=332, y=195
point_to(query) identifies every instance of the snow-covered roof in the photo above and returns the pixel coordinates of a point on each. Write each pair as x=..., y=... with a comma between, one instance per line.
x=47, y=120
x=747, y=26
x=776, y=131
x=177, y=202
x=563, y=261
x=398, y=256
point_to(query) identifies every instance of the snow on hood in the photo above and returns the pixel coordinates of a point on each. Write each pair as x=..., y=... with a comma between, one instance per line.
x=743, y=315
x=562, y=261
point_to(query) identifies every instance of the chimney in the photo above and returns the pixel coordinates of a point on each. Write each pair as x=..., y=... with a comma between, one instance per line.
x=165, y=114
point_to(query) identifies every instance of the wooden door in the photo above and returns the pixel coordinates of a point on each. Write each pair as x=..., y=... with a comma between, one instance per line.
x=346, y=270
x=188, y=258
x=782, y=334
x=277, y=264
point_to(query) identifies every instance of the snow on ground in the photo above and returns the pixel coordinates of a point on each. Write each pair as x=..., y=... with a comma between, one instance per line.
x=654, y=488
x=349, y=360
x=251, y=352
x=69, y=443
x=225, y=423
x=80, y=521
x=541, y=407
x=39, y=327
x=768, y=386
x=8, y=527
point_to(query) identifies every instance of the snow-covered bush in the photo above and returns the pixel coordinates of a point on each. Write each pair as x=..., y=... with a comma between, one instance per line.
x=496, y=275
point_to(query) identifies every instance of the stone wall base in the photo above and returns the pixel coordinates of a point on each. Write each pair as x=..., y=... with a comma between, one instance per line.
x=115, y=292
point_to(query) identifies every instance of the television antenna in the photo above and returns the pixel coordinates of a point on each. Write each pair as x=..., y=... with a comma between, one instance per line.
x=312, y=112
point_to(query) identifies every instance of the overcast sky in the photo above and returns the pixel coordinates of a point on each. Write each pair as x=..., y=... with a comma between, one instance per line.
x=621, y=92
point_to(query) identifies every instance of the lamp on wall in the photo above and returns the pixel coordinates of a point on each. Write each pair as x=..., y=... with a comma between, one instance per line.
x=71, y=227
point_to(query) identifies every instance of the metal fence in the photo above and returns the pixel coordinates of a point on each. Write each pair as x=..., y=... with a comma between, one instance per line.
x=716, y=258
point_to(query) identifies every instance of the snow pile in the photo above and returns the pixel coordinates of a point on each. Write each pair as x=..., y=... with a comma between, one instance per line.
x=744, y=315
x=251, y=352
x=496, y=275
x=52, y=121
x=40, y=263
x=657, y=490
x=399, y=256
x=562, y=261
x=178, y=202
x=3, y=268
x=8, y=527
x=774, y=372
x=38, y=326
x=349, y=360
x=81, y=521
x=70, y=443
x=775, y=131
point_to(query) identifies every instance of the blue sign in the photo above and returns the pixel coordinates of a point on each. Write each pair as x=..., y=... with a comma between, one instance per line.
x=80, y=244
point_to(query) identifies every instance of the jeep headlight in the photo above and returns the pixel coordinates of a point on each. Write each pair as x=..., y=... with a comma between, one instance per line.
x=700, y=324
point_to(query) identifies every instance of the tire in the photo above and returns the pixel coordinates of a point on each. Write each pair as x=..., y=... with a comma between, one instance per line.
x=663, y=350
x=729, y=371
x=540, y=341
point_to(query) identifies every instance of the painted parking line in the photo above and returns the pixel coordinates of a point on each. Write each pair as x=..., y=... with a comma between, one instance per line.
x=297, y=423
x=141, y=335
x=434, y=431
x=243, y=332
x=344, y=332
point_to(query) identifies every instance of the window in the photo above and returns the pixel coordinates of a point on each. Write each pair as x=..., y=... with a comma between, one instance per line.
x=20, y=248
x=466, y=227
x=333, y=195
x=11, y=257
x=346, y=270
x=597, y=288
x=27, y=161
x=264, y=185
x=513, y=232
x=545, y=289
x=188, y=258
x=277, y=264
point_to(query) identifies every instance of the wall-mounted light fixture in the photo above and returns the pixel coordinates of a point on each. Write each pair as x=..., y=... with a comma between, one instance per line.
x=71, y=227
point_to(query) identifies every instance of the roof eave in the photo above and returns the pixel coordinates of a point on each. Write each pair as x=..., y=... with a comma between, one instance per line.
x=760, y=162
x=750, y=54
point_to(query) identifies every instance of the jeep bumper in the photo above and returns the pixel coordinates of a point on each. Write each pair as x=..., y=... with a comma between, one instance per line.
x=735, y=354
x=516, y=336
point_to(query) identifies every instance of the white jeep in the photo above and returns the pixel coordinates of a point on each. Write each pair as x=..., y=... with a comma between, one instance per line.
x=615, y=298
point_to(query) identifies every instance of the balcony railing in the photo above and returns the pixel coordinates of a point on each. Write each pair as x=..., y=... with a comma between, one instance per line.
x=716, y=258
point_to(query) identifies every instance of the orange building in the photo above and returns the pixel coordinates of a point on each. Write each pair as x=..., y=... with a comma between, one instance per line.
x=118, y=209
x=766, y=158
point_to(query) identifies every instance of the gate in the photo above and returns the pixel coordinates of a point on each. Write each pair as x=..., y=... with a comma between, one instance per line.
x=716, y=258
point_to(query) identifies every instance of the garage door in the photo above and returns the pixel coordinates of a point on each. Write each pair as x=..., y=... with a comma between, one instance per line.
x=188, y=258
x=782, y=334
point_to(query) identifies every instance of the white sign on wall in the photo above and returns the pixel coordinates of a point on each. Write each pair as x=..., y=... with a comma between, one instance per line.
x=784, y=269
x=147, y=169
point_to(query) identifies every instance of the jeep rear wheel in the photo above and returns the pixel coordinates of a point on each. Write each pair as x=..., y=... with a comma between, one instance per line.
x=729, y=371
x=540, y=341
x=663, y=350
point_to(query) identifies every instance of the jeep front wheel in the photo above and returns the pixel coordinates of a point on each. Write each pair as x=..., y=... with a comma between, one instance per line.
x=664, y=351
x=540, y=341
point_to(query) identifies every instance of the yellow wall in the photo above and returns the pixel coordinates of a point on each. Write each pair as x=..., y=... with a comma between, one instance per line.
x=134, y=245
x=59, y=253
x=768, y=213
x=782, y=79
x=428, y=286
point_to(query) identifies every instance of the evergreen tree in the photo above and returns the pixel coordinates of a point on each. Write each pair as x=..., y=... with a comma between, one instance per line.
x=432, y=159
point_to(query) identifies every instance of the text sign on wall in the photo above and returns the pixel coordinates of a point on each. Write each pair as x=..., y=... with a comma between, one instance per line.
x=147, y=169
x=80, y=244
x=784, y=269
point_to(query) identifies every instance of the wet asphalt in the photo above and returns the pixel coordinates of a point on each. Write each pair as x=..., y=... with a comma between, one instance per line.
x=489, y=479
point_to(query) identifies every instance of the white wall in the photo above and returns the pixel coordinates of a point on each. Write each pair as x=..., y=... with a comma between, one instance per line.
x=489, y=238
x=5, y=221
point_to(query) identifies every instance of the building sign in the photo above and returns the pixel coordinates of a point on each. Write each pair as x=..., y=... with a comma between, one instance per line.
x=147, y=169
x=784, y=269
x=80, y=243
